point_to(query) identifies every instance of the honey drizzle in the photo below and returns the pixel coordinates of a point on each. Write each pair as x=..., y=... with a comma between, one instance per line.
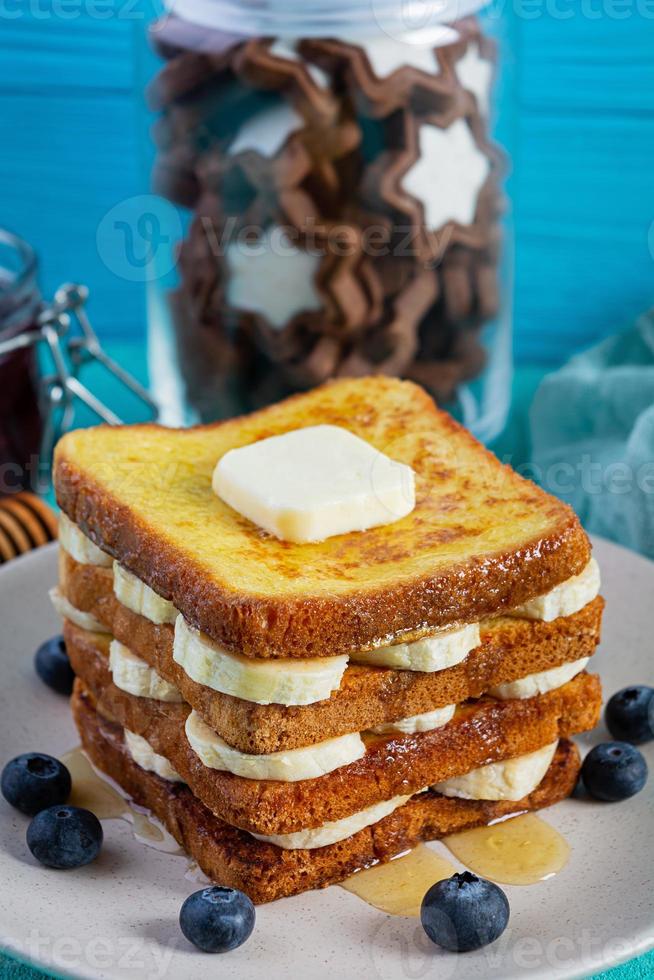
x=521, y=850
x=399, y=887
x=96, y=792
x=90, y=790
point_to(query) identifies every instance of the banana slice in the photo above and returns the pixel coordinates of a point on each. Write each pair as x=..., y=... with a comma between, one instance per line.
x=540, y=683
x=287, y=767
x=141, y=599
x=67, y=610
x=287, y=681
x=426, y=722
x=144, y=756
x=336, y=830
x=430, y=654
x=133, y=675
x=565, y=599
x=78, y=546
x=508, y=780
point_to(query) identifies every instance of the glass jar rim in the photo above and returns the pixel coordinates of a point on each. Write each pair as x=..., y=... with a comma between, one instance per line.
x=398, y=19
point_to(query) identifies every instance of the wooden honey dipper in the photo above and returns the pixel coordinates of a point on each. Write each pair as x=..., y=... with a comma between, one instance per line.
x=26, y=522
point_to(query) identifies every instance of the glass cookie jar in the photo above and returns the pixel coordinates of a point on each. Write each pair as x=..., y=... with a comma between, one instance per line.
x=343, y=208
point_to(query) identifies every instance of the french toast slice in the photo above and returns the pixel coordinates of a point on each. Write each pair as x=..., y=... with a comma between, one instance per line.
x=481, y=732
x=265, y=872
x=368, y=696
x=481, y=539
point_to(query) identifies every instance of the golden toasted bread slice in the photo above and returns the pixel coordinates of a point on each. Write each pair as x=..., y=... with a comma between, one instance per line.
x=265, y=872
x=480, y=540
x=368, y=696
x=481, y=732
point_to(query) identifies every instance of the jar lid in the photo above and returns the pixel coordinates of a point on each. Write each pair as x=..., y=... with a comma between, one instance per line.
x=410, y=21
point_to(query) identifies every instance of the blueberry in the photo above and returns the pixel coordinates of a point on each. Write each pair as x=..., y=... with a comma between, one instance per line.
x=65, y=837
x=34, y=781
x=464, y=912
x=217, y=919
x=614, y=771
x=630, y=714
x=53, y=666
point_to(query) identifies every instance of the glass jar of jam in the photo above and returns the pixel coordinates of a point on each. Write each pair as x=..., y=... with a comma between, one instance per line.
x=342, y=195
x=20, y=418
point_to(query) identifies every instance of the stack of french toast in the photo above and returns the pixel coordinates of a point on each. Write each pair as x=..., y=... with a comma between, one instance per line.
x=296, y=709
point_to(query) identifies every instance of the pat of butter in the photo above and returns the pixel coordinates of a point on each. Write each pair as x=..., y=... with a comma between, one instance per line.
x=313, y=483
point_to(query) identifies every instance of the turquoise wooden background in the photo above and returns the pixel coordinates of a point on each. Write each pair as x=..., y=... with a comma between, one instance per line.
x=72, y=123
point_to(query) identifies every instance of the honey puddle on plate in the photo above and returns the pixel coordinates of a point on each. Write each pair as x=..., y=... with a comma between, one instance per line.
x=96, y=793
x=520, y=851
x=399, y=886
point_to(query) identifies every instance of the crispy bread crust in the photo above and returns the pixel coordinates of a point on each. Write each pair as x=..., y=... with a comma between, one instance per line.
x=437, y=567
x=233, y=858
x=368, y=696
x=481, y=732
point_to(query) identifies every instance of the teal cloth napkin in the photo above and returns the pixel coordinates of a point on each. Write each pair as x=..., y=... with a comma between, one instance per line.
x=592, y=433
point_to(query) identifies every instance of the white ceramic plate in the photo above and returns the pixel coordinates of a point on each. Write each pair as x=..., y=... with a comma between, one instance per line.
x=117, y=918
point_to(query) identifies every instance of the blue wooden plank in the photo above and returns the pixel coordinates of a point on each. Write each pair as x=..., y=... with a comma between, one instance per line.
x=587, y=63
x=70, y=161
x=584, y=201
x=89, y=50
x=586, y=176
x=570, y=293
